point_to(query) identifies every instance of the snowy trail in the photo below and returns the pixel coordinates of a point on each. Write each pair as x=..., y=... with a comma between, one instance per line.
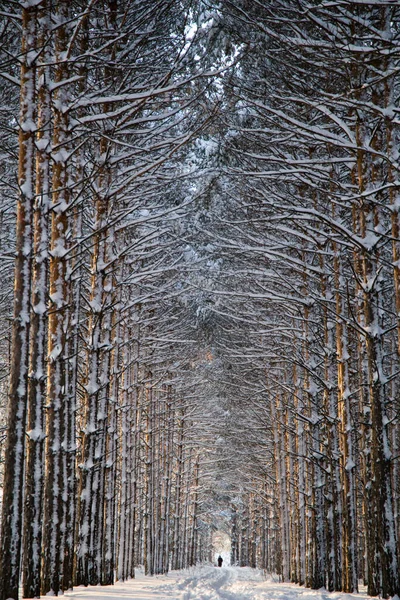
x=206, y=583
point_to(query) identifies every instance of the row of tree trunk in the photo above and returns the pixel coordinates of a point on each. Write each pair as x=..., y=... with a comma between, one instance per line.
x=315, y=151
x=99, y=473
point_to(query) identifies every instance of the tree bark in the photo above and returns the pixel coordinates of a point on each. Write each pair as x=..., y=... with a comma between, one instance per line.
x=55, y=485
x=38, y=334
x=11, y=530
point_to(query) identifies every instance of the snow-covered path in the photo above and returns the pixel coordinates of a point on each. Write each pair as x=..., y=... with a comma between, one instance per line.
x=206, y=583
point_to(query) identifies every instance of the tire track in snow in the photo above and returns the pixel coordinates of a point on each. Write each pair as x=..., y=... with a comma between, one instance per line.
x=214, y=585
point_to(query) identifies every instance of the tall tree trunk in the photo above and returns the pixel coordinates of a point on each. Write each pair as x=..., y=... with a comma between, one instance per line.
x=149, y=481
x=37, y=362
x=178, y=491
x=70, y=441
x=11, y=530
x=348, y=539
x=111, y=461
x=92, y=473
x=125, y=430
x=55, y=485
x=370, y=173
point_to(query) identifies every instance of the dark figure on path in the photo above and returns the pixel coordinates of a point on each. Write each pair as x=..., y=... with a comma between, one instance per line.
x=220, y=561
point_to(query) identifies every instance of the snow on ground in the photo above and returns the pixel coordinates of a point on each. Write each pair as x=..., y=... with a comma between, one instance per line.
x=206, y=583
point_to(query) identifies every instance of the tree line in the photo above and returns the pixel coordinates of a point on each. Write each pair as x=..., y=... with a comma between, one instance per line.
x=100, y=471
x=309, y=234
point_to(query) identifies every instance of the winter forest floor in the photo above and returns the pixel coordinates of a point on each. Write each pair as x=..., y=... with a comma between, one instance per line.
x=206, y=583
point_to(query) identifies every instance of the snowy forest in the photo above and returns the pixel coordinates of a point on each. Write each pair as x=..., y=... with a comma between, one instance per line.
x=200, y=290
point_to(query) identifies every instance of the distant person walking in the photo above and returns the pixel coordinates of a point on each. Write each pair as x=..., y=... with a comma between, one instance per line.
x=220, y=561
